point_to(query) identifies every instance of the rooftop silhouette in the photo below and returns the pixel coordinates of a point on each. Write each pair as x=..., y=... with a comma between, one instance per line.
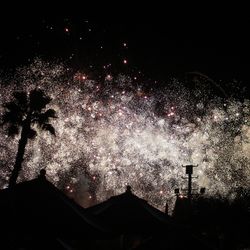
x=37, y=215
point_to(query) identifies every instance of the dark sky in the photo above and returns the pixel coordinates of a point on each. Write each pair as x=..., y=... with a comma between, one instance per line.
x=157, y=46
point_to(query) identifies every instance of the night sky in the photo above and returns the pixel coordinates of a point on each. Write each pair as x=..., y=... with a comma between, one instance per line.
x=156, y=45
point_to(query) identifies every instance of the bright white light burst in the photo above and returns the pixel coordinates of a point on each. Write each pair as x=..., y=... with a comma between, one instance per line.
x=113, y=133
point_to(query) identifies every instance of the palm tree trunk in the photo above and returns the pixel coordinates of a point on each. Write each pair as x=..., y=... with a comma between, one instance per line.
x=20, y=154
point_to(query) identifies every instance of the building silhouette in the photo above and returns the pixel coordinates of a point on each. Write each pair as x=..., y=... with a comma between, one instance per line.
x=36, y=215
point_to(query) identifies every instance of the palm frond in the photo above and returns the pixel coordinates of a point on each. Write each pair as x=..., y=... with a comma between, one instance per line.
x=12, y=106
x=42, y=118
x=22, y=100
x=13, y=130
x=38, y=100
x=13, y=113
x=32, y=133
x=51, y=113
x=49, y=127
x=11, y=118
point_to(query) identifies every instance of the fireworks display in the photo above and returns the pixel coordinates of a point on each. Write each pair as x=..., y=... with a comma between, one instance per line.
x=117, y=131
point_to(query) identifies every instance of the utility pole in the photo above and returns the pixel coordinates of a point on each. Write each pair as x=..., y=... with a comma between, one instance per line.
x=189, y=172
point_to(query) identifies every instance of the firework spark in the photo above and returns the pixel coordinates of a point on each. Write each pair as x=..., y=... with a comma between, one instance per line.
x=113, y=132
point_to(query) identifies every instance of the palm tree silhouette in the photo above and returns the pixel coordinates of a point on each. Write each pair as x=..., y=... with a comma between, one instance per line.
x=22, y=113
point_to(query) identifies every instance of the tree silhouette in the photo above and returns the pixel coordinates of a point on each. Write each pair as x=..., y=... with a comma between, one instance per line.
x=24, y=111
